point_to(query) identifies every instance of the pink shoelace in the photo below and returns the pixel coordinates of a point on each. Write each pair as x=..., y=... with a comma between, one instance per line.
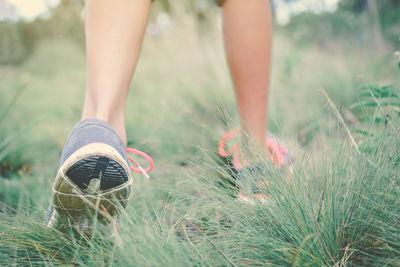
x=139, y=168
x=278, y=153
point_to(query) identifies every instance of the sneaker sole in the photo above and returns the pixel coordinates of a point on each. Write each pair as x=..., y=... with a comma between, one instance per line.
x=78, y=203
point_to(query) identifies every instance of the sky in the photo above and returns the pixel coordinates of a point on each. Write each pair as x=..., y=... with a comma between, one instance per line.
x=285, y=10
x=29, y=9
x=26, y=9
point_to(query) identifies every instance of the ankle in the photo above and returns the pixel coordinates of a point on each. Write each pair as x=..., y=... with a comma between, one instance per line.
x=117, y=122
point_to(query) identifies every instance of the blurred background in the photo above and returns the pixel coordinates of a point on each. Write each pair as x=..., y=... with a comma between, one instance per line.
x=370, y=23
x=182, y=100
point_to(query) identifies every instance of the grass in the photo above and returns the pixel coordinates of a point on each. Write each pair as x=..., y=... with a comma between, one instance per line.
x=340, y=207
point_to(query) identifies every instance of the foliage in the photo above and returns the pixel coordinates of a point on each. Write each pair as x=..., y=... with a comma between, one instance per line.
x=379, y=105
x=355, y=22
x=19, y=38
x=12, y=50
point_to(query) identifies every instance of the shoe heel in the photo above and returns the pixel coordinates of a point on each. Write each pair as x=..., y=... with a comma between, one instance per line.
x=79, y=195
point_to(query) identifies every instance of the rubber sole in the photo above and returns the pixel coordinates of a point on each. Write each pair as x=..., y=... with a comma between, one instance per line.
x=94, y=182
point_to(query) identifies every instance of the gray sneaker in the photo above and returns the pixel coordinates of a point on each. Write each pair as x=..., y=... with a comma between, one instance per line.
x=93, y=178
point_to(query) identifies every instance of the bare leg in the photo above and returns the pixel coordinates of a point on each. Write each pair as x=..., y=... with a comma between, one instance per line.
x=248, y=34
x=114, y=34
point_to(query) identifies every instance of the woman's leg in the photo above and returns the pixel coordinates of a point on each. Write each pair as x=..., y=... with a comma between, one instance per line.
x=93, y=161
x=248, y=34
x=114, y=34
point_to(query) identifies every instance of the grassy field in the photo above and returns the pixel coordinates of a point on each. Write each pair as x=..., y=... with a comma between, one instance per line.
x=340, y=207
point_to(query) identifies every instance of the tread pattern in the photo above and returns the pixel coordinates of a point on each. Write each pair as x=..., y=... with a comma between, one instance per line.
x=110, y=173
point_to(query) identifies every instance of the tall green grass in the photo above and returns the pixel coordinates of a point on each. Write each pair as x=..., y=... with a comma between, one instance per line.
x=346, y=214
